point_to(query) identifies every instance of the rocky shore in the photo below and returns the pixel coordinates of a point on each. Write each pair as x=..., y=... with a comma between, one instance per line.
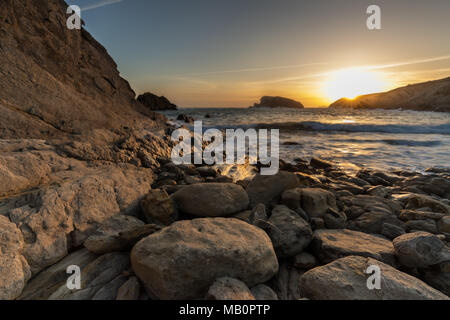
x=87, y=181
x=309, y=232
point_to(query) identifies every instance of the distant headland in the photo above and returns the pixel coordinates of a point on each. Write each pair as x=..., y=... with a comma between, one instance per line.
x=278, y=102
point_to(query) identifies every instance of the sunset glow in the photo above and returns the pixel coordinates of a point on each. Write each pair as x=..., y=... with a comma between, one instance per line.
x=350, y=83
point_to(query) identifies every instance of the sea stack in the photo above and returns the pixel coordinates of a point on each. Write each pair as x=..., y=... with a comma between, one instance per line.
x=278, y=102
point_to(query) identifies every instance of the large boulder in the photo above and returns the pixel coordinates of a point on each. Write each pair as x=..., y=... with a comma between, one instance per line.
x=330, y=245
x=264, y=189
x=420, y=249
x=211, y=199
x=290, y=234
x=347, y=279
x=183, y=260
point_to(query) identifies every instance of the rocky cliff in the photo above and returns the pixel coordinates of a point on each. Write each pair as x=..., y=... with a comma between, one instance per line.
x=76, y=148
x=278, y=102
x=153, y=102
x=426, y=96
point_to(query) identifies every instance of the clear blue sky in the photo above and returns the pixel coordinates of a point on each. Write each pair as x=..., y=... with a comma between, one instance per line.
x=202, y=53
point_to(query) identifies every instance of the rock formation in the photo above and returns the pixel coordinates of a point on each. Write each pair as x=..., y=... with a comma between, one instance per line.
x=153, y=102
x=278, y=102
x=426, y=96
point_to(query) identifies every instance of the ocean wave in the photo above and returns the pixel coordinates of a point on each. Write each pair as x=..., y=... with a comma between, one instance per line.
x=355, y=127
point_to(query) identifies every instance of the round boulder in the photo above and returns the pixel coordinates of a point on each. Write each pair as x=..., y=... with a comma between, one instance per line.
x=212, y=199
x=183, y=260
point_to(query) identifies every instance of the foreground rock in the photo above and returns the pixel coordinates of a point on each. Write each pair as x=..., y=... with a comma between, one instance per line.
x=211, y=199
x=346, y=279
x=420, y=249
x=106, y=238
x=158, y=207
x=290, y=234
x=183, y=260
x=229, y=289
x=330, y=245
x=264, y=189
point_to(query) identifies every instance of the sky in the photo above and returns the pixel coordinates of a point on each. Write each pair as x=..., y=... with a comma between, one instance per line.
x=214, y=53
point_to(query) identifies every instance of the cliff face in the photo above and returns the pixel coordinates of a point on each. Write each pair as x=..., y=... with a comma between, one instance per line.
x=427, y=96
x=278, y=102
x=55, y=81
x=153, y=102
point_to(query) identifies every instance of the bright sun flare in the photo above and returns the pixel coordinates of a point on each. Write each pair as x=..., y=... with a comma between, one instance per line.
x=350, y=83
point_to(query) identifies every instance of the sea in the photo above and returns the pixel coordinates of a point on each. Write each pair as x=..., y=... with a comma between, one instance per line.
x=377, y=139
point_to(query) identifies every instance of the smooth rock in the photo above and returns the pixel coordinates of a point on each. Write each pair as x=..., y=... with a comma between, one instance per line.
x=346, y=279
x=329, y=245
x=305, y=261
x=420, y=249
x=290, y=234
x=264, y=189
x=229, y=289
x=183, y=260
x=130, y=290
x=263, y=292
x=211, y=199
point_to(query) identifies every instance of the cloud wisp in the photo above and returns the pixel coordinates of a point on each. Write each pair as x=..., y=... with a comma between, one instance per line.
x=100, y=4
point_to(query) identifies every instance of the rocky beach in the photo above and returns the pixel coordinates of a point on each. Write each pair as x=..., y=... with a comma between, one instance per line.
x=87, y=180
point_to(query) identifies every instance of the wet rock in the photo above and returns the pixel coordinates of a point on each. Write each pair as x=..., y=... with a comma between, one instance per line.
x=420, y=249
x=289, y=233
x=444, y=224
x=285, y=283
x=316, y=202
x=391, y=231
x=229, y=289
x=427, y=225
x=183, y=260
x=130, y=290
x=158, y=207
x=335, y=219
x=305, y=261
x=211, y=199
x=346, y=279
x=264, y=189
x=424, y=202
x=263, y=292
x=320, y=163
x=329, y=245
x=106, y=238
x=438, y=280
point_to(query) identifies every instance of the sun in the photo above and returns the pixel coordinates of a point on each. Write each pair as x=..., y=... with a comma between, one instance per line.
x=351, y=83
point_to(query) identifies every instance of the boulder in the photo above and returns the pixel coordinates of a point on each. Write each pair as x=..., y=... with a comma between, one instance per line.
x=347, y=279
x=444, y=224
x=420, y=250
x=438, y=280
x=320, y=163
x=263, y=292
x=158, y=207
x=264, y=189
x=229, y=289
x=130, y=290
x=285, y=283
x=183, y=260
x=106, y=238
x=211, y=199
x=316, y=202
x=290, y=234
x=391, y=231
x=417, y=201
x=329, y=245
x=305, y=261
